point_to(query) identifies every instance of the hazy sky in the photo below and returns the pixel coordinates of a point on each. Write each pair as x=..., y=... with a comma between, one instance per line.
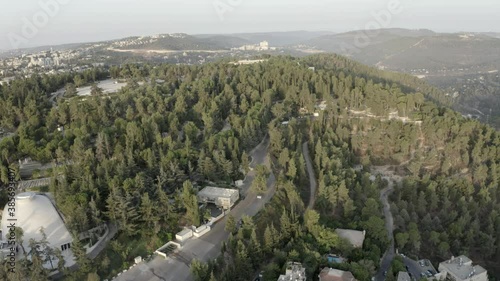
x=93, y=20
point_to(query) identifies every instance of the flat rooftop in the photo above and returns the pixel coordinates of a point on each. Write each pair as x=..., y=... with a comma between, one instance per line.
x=212, y=192
x=356, y=237
x=185, y=232
x=462, y=267
x=294, y=272
x=403, y=276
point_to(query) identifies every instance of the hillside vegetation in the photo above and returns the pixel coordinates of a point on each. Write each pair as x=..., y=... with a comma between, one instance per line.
x=139, y=154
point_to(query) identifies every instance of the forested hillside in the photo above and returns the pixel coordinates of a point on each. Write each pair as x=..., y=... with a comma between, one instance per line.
x=139, y=154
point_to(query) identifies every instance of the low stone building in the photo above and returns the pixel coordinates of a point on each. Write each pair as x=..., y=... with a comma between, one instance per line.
x=221, y=197
x=461, y=269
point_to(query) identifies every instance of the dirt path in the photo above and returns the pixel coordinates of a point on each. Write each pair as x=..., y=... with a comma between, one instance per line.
x=389, y=225
x=312, y=177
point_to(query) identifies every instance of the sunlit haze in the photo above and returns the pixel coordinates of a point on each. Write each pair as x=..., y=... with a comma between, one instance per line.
x=93, y=20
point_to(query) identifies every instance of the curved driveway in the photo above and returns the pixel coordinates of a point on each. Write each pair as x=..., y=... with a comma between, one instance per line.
x=389, y=225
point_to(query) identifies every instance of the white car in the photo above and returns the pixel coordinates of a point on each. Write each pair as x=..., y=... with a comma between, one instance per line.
x=259, y=197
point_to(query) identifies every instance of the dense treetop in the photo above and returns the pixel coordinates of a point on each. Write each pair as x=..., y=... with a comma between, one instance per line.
x=153, y=144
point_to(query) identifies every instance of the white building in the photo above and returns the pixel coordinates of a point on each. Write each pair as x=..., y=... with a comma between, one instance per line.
x=34, y=212
x=221, y=197
x=294, y=272
x=461, y=269
x=184, y=235
x=264, y=45
x=200, y=231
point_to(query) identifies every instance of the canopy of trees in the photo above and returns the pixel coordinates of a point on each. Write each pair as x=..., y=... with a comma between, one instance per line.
x=138, y=155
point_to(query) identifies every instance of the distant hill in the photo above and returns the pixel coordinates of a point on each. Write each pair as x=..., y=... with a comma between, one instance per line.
x=404, y=50
x=181, y=42
x=493, y=34
x=464, y=65
x=277, y=39
x=341, y=41
x=218, y=41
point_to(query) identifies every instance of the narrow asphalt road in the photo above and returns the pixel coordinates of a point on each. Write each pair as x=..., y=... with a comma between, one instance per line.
x=389, y=225
x=312, y=176
x=177, y=267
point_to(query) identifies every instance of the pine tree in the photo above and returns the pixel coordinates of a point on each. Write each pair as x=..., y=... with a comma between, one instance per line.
x=268, y=240
x=80, y=254
x=242, y=262
x=147, y=212
x=212, y=277
x=277, y=236
x=285, y=225
x=292, y=169
x=255, y=249
x=245, y=165
x=230, y=224
x=37, y=269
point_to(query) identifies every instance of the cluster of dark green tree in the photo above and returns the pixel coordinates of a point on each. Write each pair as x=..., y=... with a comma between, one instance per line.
x=38, y=259
x=449, y=201
x=132, y=153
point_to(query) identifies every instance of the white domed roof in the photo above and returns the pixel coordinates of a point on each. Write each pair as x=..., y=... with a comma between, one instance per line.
x=32, y=213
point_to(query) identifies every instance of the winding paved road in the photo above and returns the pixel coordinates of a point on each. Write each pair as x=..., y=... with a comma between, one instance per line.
x=312, y=176
x=177, y=267
x=389, y=225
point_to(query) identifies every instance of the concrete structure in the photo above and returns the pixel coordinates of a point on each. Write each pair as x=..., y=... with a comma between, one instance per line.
x=33, y=213
x=246, y=62
x=404, y=276
x=461, y=269
x=321, y=105
x=330, y=274
x=262, y=46
x=355, y=237
x=138, y=260
x=221, y=197
x=167, y=249
x=294, y=272
x=184, y=235
x=200, y=231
